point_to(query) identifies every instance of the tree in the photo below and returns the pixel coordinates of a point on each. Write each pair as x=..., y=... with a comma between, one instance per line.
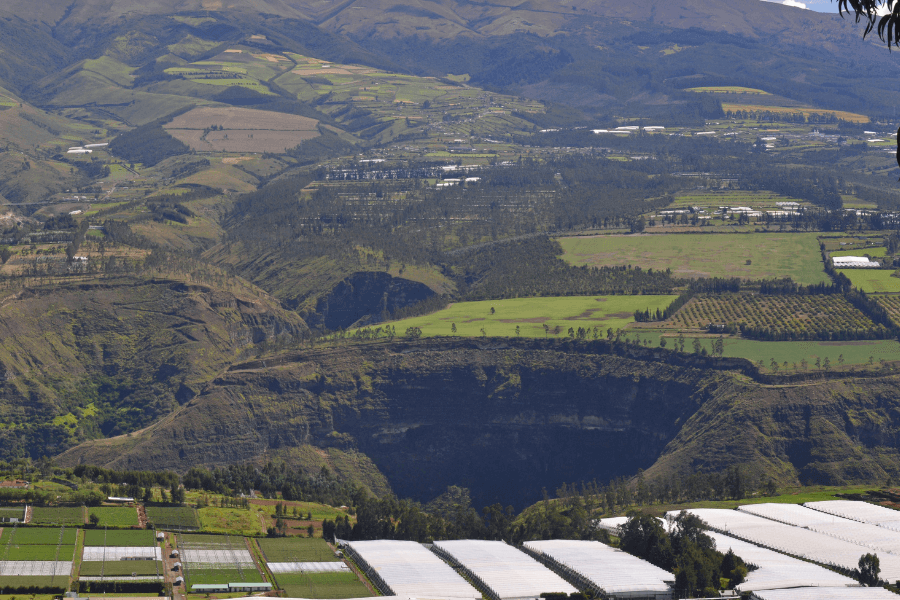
x=869, y=569
x=662, y=342
x=697, y=345
x=493, y=310
x=5, y=254
x=94, y=519
x=882, y=16
x=453, y=328
x=518, y=331
x=413, y=333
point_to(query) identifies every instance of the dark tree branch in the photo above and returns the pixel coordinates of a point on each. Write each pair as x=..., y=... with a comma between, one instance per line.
x=885, y=22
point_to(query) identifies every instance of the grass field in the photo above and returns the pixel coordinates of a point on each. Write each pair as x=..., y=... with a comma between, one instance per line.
x=99, y=537
x=229, y=520
x=115, y=516
x=854, y=353
x=35, y=552
x=196, y=575
x=12, y=513
x=705, y=255
x=792, y=110
x=121, y=568
x=43, y=536
x=57, y=515
x=296, y=550
x=872, y=251
x=322, y=585
x=802, y=314
x=170, y=517
x=60, y=581
x=872, y=280
x=531, y=314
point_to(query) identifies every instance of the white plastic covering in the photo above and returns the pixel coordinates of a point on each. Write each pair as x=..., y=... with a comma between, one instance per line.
x=864, y=534
x=775, y=570
x=859, y=511
x=505, y=571
x=308, y=567
x=34, y=568
x=819, y=593
x=225, y=557
x=410, y=569
x=612, y=570
x=796, y=541
x=93, y=553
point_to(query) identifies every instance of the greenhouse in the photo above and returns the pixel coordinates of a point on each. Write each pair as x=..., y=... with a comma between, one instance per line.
x=859, y=593
x=502, y=570
x=859, y=511
x=408, y=569
x=604, y=569
x=796, y=541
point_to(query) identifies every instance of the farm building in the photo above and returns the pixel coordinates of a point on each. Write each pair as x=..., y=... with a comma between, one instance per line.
x=858, y=593
x=96, y=145
x=206, y=588
x=854, y=262
x=118, y=499
x=179, y=581
x=502, y=570
x=249, y=586
x=79, y=151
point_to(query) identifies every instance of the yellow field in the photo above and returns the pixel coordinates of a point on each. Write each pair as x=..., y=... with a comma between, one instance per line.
x=840, y=114
x=728, y=89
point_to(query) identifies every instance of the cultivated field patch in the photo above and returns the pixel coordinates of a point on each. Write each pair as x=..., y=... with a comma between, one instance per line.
x=807, y=317
x=793, y=110
x=40, y=536
x=115, y=516
x=296, y=550
x=169, y=517
x=535, y=317
x=133, y=539
x=57, y=515
x=230, y=129
x=872, y=280
x=322, y=585
x=749, y=256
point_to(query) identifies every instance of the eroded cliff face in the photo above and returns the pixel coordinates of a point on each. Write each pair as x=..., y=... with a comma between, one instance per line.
x=504, y=421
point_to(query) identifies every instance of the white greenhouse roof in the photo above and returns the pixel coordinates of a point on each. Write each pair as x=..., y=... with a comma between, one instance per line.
x=217, y=556
x=859, y=511
x=610, y=569
x=864, y=534
x=796, y=541
x=859, y=593
x=409, y=569
x=35, y=568
x=92, y=553
x=775, y=570
x=308, y=567
x=505, y=571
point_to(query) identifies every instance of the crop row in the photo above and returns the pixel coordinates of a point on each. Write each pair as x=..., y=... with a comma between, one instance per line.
x=803, y=314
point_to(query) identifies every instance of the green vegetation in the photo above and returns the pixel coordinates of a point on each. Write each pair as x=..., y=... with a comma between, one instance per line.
x=229, y=520
x=115, y=516
x=535, y=317
x=169, y=517
x=59, y=582
x=296, y=550
x=99, y=537
x=40, y=536
x=769, y=255
x=57, y=515
x=872, y=280
x=322, y=585
x=121, y=568
x=197, y=573
x=36, y=552
x=12, y=513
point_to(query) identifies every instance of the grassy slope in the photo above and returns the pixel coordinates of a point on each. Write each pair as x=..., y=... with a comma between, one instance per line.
x=80, y=358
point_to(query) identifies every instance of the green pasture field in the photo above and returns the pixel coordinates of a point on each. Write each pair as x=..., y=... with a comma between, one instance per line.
x=199, y=540
x=296, y=550
x=794, y=255
x=39, y=536
x=112, y=537
x=12, y=513
x=319, y=511
x=34, y=552
x=854, y=352
x=872, y=280
x=57, y=515
x=115, y=516
x=732, y=198
x=196, y=575
x=871, y=251
x=229, y=520
x=121, y=568
x=531, y=314
x=169, y=517
x=323, y=585
x=60, y=581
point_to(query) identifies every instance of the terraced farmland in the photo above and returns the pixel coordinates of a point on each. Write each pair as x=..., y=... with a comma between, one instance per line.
x=169, y=517
x=802, y=317
x=115, y=516
x=57, y=515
